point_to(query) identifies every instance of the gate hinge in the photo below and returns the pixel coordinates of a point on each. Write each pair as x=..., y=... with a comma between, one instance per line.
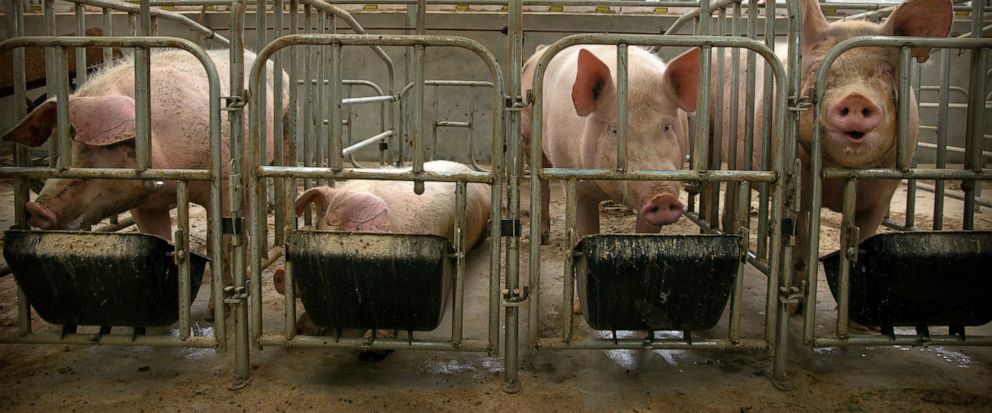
x=514, y=103
x=233, y=226
x=801, y=103
x=235, y=295
x=517, y=296
x=510, y=228
x=235, y=103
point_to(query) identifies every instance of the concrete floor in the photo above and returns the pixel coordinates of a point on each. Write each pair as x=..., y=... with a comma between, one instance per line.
x=45, y=378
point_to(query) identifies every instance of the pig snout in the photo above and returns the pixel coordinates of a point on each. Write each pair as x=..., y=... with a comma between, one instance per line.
x=662, y=209
x=40, y=217
x=854, y=116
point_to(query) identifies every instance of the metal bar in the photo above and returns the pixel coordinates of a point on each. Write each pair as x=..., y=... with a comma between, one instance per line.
x=334, y=106
x=379, y=343
x=568, y=280
x=849, y=245
x=955, y=149
x=764, y=159
x=514, y=172
x=80, y=52
x=236, y=204
x=458, y=307
x=289, y=281
x=903, y=151
x=417, y=108
x=21, y=157
x=181, y=256
x=279, y=139
x=368, y=99
x=104, y=173
x=142, y=94
x=109, y=339
x=62, y=109
x=622, y=63
x=953, y=195
x=381, y=137
x=655, y=344
x=131, y=9
x=662, y=175
x=966, y=174
x=108, y=30
x=452, y=124
x=862, y=341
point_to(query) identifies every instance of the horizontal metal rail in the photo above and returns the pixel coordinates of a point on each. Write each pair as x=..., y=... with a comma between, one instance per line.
x=912, y=173
x=110, y=339
x=386, y=175
x=381, y=137
x=161, y=14
x=655, y=344
x=862, y=341
x=37, y=172
x=378, y=343
x=658, y=175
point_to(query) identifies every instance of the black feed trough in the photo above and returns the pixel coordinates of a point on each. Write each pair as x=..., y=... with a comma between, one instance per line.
x=655, y=282
x=102, y=279
x=380, y=281
x=919, y=279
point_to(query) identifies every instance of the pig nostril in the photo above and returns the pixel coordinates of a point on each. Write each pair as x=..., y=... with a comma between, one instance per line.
x=865, y=112
x=844, y=112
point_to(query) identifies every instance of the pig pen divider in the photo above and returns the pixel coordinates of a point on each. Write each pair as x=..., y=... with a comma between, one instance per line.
x=851, y=253
x=182, y=337
x=700, y=173
x=337, y=170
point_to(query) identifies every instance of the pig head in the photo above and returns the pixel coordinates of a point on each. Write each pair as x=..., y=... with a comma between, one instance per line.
x=580, y=127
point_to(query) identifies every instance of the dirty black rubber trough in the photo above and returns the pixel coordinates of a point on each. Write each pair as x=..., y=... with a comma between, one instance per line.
x=655, y=282
x=101, y=279
x=372, y=281
x=919, y=279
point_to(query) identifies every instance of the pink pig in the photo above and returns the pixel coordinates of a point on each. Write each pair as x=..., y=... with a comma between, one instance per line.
x=858, y=119
x=580, y=128
x=102, y=116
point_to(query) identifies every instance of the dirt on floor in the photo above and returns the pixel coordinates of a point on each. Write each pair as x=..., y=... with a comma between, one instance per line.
x=850, y=379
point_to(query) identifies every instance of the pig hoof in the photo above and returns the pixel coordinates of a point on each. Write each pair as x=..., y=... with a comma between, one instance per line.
x=373, y=355
x=576, y=307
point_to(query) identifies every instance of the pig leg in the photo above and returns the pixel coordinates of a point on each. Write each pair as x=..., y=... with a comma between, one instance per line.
x=153, y=221
x=586, y=215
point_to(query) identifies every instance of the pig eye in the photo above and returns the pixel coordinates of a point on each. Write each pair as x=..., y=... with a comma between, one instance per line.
x=614, y=131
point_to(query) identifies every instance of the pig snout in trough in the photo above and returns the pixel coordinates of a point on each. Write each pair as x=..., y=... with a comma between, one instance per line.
x=579, y=126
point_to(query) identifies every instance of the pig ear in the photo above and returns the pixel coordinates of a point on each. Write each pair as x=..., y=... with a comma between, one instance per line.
x=592, y=79
x=359, y=211
x=814, y=22
x=920, y=18
x=279, y=280
x=321, y=196
x=35, y=129
x=681, y=78
x=102, y=120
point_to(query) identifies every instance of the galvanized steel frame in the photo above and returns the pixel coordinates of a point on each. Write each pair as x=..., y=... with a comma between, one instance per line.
x=140, y=172
x=700, y=172
x=973, y=172
x=336, y=170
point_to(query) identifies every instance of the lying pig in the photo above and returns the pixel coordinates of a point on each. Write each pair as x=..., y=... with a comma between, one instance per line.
x=102, y=116
x=580, y=128
x=392, y=206
x=859, y=104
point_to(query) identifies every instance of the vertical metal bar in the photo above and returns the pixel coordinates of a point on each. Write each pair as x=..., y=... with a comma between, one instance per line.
x=700, y=146
x=132, y=30
x=713, y=195
x=62, y=105
x=238, y=242
x=108, y=30
x=348, y=120
x=437, y=116
x=849, y=248
x=417, y=130
x=902, y=142
x=309, y=117
x=80, y=51
x=766, y=136
x=279, y=139
x=568, y=282
x=749, y=90
x=730, y=207
x=142, y=104
x=942, y=130
x=154, y=26
x=458, y=307
x=976, y=106
x=15, y=12
x=621, y=109
x=911, y=183
x=738, y=293
x=335, y=108
x=181, y=256
x=321, y=92
x=51, y=74
x=514, y=160
x=290, y=304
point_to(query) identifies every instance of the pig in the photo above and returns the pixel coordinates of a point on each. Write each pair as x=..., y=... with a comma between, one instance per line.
x=102, y=117
x=858, y=118
x=393, y=207
x=580, y=128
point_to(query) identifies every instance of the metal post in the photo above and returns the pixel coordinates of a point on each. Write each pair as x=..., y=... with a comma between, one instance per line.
x=766, y=138
x=622, y=63
x=15, y=12
x=568, y=280
x=976, y=106
x=80, y=51
x=181, y=256
x=108, y=30
x=142, y=94
x=334, y=106
x=942, y=130
x=514, y=163
x=458, y=307
x=279, y=139
x=237, y=166
x=849, y=248
x=62, y=106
